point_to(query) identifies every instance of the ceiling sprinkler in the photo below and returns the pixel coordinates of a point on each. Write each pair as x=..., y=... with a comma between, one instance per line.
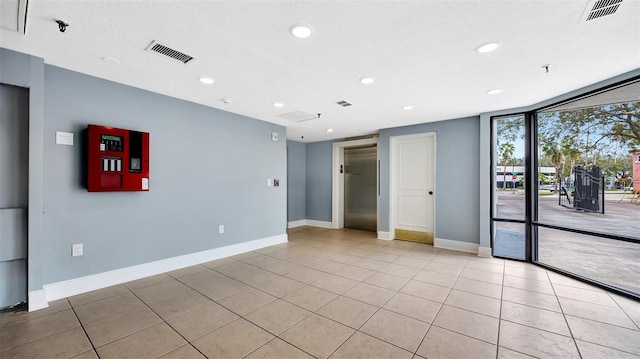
x=62, y=26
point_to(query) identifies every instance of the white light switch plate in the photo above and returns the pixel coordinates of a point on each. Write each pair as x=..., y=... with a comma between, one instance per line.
x=221, y=229
x=64, y=138
x=77, y=250
x=269, y=182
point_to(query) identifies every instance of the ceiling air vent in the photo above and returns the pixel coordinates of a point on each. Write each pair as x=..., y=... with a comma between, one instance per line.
x=164, y=50
x=343, y=103
x=601, y=8
x=298, y=116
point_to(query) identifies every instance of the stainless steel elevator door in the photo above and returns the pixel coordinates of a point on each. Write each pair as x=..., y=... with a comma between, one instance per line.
x=360, y=183
x=14, y=180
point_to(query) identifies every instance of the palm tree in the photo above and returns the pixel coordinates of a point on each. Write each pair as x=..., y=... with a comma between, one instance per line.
x=505, y=151
x=555, y=155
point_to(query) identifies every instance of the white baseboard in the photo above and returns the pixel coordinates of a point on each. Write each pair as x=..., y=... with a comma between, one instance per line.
x=484, y=252
x=37, y=300
x=455, y=245
x=309, y=222
x=299, y=223
x=384, y=235
x=321, y=224
x=80, y=285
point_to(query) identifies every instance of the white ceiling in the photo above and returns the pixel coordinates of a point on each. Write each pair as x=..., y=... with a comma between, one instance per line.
x=420, y=52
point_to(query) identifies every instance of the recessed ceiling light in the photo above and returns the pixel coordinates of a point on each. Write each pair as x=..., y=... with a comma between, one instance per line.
x=110, y=59
x=329, y=129
x=225, y=100
x=367, y=80
x=278, y=104
x=301, y=31
x=488, y=47
x=408, y=108
x=207, y=80
x=494, y=91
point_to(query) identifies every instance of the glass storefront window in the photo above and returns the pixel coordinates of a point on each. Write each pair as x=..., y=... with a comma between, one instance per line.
x=589, y=152
x=609, y=261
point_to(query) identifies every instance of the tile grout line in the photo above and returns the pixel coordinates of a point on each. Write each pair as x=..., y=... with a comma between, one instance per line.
x=357, y=330
x=380, y=308
x=363, y=281
x=563, y=314
x=240, y=316
x=165, y=322
x=500, y=313
x=387, y=301
x=431, y=325
x=83, y=329
x=502, y=299
x=274, y=338
x=341, y=295
x=624, y=311
x=548, y=310
x=597, y=321
x=466, y=310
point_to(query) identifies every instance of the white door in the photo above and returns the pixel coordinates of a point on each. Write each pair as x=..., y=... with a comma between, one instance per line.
x=413, y=186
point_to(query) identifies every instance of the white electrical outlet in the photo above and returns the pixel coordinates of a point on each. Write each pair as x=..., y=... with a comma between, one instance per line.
x=221, y=229
x=76, y=250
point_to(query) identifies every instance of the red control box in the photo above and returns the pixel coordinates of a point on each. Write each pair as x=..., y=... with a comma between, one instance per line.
x=118, y=159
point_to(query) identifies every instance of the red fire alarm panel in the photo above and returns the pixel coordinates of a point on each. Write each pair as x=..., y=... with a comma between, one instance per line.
x=118, y=159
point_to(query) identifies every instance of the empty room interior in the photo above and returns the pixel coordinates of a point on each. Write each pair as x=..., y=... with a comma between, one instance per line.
x=320, y=179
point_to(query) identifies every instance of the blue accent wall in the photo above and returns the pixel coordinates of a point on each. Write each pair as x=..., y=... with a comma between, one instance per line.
x=296, y=180
x=207, y=168
x=318, y=205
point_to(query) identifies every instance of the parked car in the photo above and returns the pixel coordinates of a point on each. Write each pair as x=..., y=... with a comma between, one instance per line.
x=549, y=187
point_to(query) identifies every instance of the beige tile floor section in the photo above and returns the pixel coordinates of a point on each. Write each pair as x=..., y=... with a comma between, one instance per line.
x=338, y=294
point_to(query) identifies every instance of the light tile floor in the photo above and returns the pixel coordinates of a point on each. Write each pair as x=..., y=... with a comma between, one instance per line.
x=338, y=294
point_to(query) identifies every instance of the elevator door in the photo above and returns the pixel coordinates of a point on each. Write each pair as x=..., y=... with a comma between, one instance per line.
x=360, y=183
x=14, y=180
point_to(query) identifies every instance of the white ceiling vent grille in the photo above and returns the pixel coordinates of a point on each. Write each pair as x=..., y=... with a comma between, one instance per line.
x=601, y=8
x=297, y=116
x=164, y=50
x=343, y=103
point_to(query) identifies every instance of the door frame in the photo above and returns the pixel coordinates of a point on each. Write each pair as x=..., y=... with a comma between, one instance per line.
x=393, y=166
x=337, y=180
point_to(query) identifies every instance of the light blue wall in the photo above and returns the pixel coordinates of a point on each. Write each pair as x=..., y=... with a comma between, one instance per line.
x=318, y=205
x=296, y=178
x=207, y=167
x=457, y=198
x=28, y=71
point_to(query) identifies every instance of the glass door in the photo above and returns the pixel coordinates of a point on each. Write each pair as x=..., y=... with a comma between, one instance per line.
x=509, y=199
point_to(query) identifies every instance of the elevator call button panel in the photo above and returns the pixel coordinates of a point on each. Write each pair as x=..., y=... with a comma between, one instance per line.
x=118, y=159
